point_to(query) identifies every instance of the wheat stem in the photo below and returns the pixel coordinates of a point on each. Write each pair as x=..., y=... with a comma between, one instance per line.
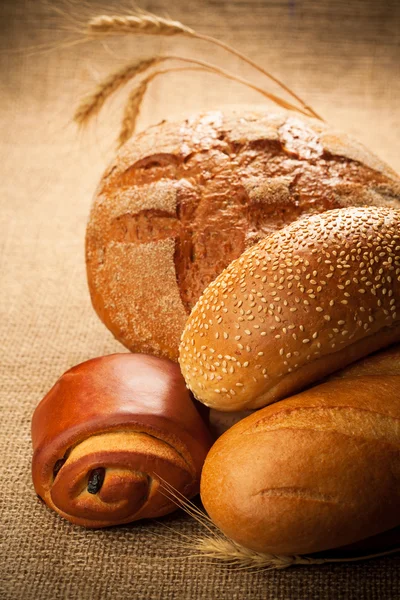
x=92, y=103
x=216, y=546
x=148, y=24
x=190, y=508
x=228, y=75
x=228, y=551
x=248, y=60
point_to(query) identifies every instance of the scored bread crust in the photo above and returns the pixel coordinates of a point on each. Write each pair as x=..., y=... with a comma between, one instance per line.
x=182, y=200
x=316, y=471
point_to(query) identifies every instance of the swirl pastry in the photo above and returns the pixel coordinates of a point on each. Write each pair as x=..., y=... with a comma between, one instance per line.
x=107, y=434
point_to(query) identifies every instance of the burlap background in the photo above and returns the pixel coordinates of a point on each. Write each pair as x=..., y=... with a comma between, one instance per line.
x=343, y=57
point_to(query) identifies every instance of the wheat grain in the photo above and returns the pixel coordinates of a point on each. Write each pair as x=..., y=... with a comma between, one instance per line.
x=217, y=547
x=144, y=24
x=135, y=99
x=227, y=550
x=92, y=103
x=153, y=25
x=131, y=113
x=149, y=24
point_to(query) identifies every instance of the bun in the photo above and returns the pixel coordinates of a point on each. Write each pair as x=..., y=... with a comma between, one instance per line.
x=182, y=200
x=308, y=300
x=317, y=471
x=108, y=432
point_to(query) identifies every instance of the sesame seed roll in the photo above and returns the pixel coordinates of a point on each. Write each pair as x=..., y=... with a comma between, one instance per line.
x=302, y=303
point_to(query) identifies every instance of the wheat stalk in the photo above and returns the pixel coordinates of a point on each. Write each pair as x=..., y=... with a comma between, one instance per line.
x=92, y=103
x=227, y=550
x=149, y=24
x=216, y=546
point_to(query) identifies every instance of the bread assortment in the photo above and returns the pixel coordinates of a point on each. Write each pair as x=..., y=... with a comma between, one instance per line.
x=109, y=432
x=183, y=199
x=263, y=251
x=306, y=301
x=316, y=471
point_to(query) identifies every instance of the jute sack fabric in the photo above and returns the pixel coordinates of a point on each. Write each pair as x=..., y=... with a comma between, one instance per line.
x=343, y=57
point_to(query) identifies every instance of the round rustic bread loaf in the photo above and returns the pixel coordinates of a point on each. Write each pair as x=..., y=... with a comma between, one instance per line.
x=182, y=200
x=307, y=300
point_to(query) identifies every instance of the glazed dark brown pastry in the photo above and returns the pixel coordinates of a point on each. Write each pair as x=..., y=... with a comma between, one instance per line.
x=308, y=300
x=182, y=200
x=106, y=435
x=317, y=471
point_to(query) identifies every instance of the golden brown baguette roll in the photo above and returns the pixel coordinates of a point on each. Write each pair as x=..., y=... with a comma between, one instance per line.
x=306, y=301
x=108, y=431
x=317, y=471
x=183, y=199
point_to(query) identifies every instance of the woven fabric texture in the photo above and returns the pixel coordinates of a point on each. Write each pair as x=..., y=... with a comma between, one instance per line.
x=343, y=58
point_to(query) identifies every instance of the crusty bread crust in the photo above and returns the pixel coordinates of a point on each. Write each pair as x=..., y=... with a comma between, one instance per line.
x=182, y=200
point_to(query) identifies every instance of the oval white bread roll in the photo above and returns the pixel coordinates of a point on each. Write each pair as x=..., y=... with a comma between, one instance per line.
x=317, y=471
x=302, y=303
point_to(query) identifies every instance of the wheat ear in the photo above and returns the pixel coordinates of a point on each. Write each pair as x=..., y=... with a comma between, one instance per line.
x=229, y=551
x=216, y=546
x=149, y=24
x=146, y=24
x=134, y=102
x=132, y=109
x=92, y=103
